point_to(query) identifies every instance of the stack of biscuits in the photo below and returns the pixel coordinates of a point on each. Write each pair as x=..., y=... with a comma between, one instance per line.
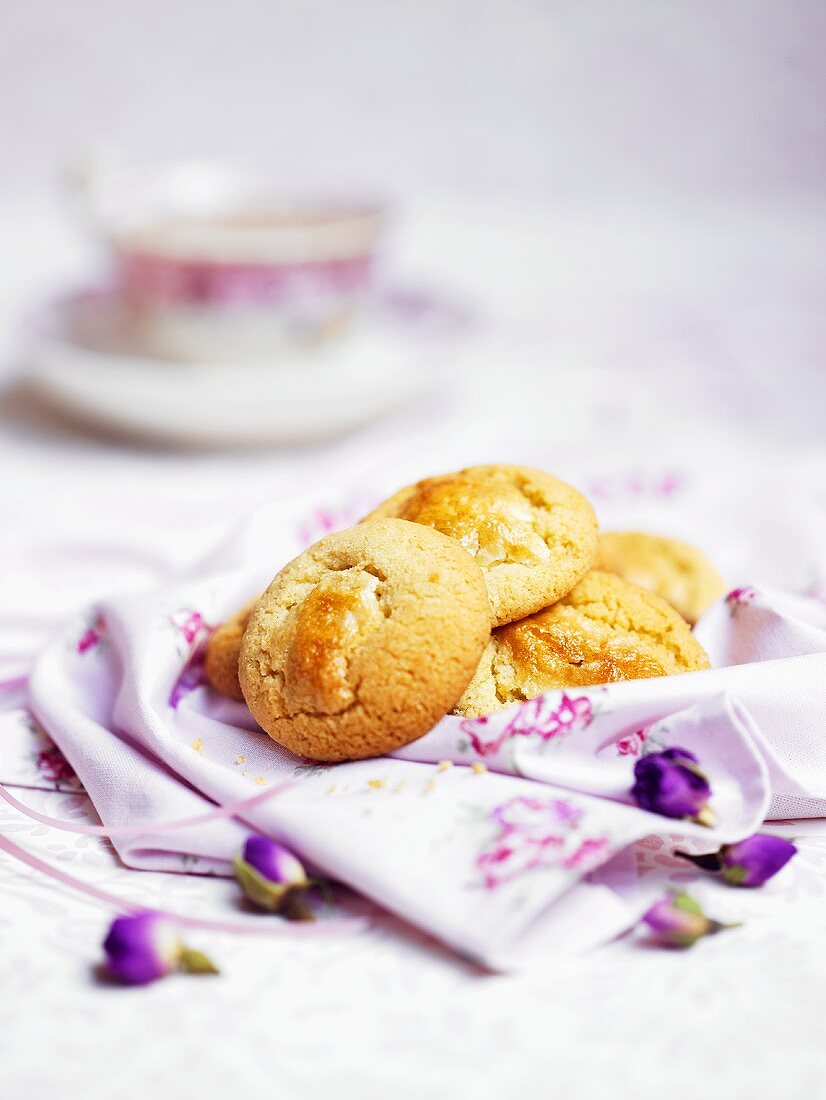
x=460, y=594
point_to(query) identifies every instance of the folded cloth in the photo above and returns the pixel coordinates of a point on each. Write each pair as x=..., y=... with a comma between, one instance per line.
x=482, y=831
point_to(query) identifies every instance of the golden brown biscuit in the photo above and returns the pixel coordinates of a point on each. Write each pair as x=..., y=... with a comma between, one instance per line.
x=533, y=535
x=223, y=650
x=364, y=641
x=605, y=629
x=674, y=570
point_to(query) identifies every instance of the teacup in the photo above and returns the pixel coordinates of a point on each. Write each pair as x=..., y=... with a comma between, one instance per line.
x=211, y=264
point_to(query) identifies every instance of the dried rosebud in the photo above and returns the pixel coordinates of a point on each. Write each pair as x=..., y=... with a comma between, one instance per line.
x=671, y=783
x=271, y=877
x=749, y=862
x=142, y=948
x=678, y=921
x=753, y=861
x=274, y=861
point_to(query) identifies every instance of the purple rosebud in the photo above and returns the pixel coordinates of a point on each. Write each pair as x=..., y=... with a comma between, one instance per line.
x=678, y=921
x=272, y=878
x=753, y=861
x=671, y=783
x=142, y=948
x=273, y=861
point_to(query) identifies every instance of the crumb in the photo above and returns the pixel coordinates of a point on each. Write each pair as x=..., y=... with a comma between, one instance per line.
x=240, y=759
x=198, y=744
x=246, y=771
x=445, y=765
x=330, y=789
x=260, y=780
x=376, y=784
x=431, y=783
x=478, y=768
x=399, y=785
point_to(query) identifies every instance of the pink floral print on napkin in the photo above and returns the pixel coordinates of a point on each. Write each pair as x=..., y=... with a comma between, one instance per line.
x=538, y=833
x=632, y=744
x=190, y=624
x=740, y=597
x=536, y=717
x=326, y=518
x=47, y=761
x=53, y=765
x=636, y=484
x=534, y=817
x=194, y=630
x=485, y=735
x=92, y=634
x=191, y=677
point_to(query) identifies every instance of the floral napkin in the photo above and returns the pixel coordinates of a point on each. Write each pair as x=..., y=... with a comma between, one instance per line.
x=501, y=836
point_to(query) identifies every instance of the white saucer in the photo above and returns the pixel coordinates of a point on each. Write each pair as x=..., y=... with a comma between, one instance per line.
x=378, y=367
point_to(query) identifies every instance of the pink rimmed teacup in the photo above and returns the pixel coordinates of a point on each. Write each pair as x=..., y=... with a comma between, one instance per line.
x=213, y=264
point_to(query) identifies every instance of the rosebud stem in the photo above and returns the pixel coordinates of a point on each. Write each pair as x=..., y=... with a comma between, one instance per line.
x=709, y=861
x=323, y=887
x=715, y=926
x=296, y=908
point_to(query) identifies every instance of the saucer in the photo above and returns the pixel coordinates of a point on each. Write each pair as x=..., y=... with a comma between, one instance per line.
x=78, y=362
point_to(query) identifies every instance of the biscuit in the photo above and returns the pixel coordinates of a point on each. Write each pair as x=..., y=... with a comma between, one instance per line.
x=673, y=570
x=364, y=641
x=533, y=536
x=223, y=650
x=604, y=630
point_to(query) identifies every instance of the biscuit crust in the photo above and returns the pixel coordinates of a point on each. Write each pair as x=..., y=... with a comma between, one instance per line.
x=533, y=535
x=676, y=571
x=606, y=629
x=223, y=650
x=364, y=641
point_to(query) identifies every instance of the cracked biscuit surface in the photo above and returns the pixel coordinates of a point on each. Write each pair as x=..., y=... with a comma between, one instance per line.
x=604, y=630
x=677, y=572
x=364, y=641
x=533, y=535
x=223, y=650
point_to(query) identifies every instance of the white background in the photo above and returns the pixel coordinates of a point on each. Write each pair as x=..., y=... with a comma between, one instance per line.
x=614, y=96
